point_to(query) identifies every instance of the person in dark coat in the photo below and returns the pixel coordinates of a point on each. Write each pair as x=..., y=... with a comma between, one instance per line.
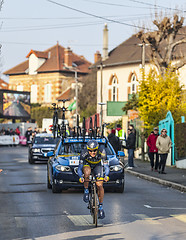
x=114, y=140
x=153, y=151
x=130, y=145
x=28, y=134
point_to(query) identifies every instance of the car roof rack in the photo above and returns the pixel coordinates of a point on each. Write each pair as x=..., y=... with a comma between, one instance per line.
x=78, y=133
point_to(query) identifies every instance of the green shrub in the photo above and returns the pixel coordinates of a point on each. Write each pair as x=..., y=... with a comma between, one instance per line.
x=38, y=113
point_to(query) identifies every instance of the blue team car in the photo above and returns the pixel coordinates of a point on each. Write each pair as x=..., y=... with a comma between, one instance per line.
x=41, y=144
x=63, y=164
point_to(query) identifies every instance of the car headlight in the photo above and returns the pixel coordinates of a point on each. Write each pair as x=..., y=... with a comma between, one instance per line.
x=36, y=150
x=115, y=168
x=63, y=168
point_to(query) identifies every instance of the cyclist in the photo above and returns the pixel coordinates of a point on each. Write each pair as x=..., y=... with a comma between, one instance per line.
x=93, y=159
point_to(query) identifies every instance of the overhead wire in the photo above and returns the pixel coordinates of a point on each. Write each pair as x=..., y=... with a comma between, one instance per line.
x=135, y=1
x=46, y=27
x=100, y=17
x=107, y=19
x=76, y=24
x=156, y=5
x=112, y=4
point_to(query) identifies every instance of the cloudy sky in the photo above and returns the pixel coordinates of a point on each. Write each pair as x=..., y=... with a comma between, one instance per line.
x=39, y=24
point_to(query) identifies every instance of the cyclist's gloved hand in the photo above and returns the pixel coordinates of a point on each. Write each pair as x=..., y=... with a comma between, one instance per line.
x=106, y=178
x=81, y=180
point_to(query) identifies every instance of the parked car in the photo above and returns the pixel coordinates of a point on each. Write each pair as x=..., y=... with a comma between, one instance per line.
x=41, y=144
x=63, y=164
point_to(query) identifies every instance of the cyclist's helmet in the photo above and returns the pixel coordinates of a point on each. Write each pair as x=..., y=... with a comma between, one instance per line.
x=92, y=145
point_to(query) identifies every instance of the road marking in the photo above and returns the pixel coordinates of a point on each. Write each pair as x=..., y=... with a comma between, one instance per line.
x=181, y=218
x=147, y=219
x=174, y=208
x=81, y=220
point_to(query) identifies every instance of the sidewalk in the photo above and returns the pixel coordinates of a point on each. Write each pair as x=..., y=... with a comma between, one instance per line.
x=175, y=177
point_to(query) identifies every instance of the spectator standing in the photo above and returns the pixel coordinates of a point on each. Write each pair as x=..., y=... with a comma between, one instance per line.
x=36, y=131
x=17, y=131
x=130, y=145
x=163, y=144
x=44, y=131
x=3, y=131
x=28, y=134
x=7, y=132
x=121, y=134
x=12, y=132
x=153, y=151
x=131, y=127
x=114, y=140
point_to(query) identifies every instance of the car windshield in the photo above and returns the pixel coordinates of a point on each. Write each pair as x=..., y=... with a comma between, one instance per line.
x=45, y=140
x=107, y=149
x=71, y=148
x=78, y=147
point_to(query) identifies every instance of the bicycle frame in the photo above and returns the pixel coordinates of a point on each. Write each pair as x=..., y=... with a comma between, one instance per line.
x=63, y=125
x=55, y=128
x=93, y=200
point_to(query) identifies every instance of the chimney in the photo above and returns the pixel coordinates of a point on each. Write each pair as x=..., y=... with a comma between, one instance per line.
x=97, y=56
x=68, y=57
x=105, y=42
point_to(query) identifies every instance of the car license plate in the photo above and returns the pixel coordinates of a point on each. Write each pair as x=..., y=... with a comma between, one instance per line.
x=74, y=162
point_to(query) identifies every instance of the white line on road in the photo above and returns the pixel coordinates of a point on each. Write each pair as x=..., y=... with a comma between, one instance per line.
x=173, y=208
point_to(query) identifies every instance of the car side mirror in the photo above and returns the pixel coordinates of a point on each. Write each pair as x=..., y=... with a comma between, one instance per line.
x=49, y=154
x=121, y=153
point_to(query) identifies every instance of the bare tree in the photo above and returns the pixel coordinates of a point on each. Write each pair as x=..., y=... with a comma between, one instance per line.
x=1, y=4
x=163, y=43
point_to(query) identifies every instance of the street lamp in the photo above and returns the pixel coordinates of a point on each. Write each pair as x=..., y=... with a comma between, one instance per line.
x=101, y=113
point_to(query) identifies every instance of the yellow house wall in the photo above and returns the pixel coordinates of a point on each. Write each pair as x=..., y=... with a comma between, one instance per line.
x=123, y=73
x=58, y=81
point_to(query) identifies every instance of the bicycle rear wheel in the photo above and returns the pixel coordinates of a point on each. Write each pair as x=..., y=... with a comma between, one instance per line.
x=95, y=207
x=55, y=125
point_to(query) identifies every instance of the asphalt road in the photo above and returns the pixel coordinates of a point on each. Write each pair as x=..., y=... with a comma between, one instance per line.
x=28, y=210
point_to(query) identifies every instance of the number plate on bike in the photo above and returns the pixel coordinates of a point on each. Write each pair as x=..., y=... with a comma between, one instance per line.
x=74, y=162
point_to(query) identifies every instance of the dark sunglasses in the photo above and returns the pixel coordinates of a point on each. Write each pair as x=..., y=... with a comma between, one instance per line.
x=164, y=131
x=93, y=150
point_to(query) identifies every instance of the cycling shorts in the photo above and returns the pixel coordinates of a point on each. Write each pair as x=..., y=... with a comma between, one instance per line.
x=96, y=170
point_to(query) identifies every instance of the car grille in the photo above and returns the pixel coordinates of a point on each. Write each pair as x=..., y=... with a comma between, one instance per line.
x=45, y=150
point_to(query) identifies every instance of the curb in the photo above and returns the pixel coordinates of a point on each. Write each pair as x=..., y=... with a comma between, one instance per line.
x=177, y=186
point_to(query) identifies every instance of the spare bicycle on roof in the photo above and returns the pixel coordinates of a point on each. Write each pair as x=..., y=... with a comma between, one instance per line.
x=63, y=130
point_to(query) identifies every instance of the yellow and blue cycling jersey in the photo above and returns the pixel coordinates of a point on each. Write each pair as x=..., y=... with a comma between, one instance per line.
x=97, y=163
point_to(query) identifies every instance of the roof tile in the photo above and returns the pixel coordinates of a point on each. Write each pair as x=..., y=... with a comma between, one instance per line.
x=54, y=62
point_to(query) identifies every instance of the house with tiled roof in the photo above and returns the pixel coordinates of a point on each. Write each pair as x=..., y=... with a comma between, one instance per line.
x=119, y=74
x=47, y=74
x=3, y=84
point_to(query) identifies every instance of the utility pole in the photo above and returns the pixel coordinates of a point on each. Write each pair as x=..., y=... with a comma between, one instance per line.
x=101, y=94
x=143, y=55
x=76, y=92
x=143, y=45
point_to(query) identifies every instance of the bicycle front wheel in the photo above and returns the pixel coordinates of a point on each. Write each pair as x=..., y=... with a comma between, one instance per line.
x=95, y=207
